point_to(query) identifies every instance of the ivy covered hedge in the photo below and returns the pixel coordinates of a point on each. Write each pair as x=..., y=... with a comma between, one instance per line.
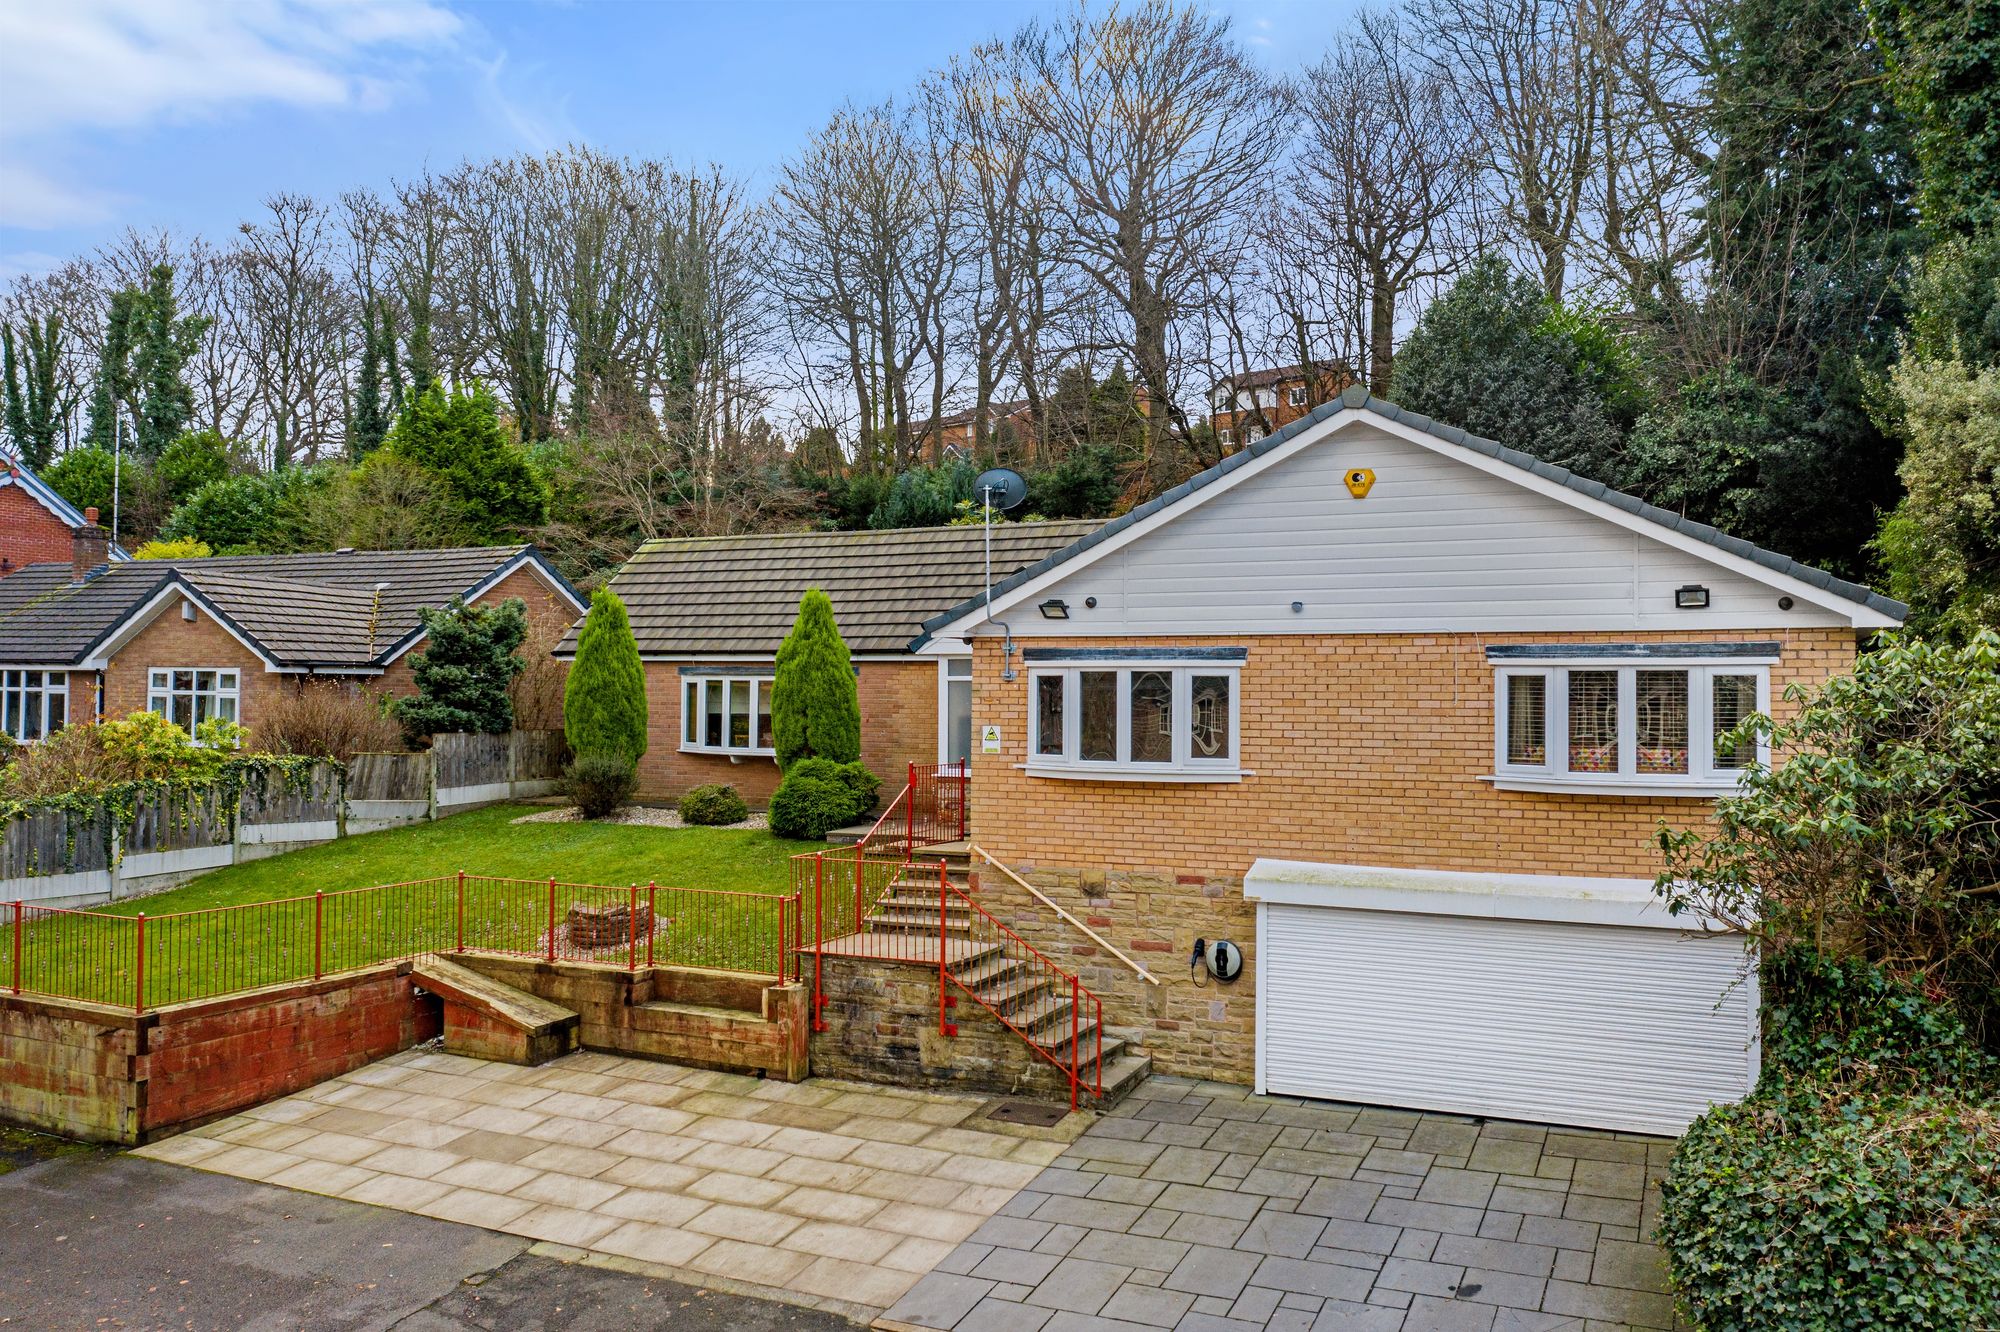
x=1860, y=1186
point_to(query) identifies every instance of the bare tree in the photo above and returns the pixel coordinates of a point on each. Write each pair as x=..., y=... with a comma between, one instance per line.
x=291, y=314
x=1385, y=173
x=1155, y=125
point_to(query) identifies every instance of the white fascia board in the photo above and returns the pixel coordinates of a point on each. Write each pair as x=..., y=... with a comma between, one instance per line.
x=150, y=609
x=1857, y=614
x=753, y=659
x=1546, y=897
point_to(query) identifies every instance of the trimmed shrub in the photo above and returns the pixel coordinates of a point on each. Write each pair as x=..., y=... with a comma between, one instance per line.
x=862, y=784
x=812, y=800
x=815, y=706
x=597, y=784
x=713, y=806
x=604, y=699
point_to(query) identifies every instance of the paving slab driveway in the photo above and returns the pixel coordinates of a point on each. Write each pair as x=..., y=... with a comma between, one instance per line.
x=826, y=1193
x=1204, y=1208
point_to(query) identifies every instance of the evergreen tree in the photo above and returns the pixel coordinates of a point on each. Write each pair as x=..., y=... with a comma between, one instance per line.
x=370, y=424
x=1492, y=356
x=191, y=462
x=32, y=419
x=1944, y=66
x=492, y=486
x=108, y=396
x=815, y=704
x=464, y=670
x=162, y=342
x=604, y=699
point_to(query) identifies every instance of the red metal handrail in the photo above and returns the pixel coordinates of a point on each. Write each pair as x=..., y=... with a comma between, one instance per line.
x=932, y=808
x=1013, y=948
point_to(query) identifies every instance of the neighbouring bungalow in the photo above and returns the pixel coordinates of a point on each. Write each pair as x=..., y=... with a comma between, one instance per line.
x=1398, y=712
x=710, y=612
x=192, y=639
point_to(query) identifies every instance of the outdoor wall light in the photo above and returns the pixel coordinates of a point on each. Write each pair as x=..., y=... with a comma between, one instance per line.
x=1055, y=609
x=1692, y=597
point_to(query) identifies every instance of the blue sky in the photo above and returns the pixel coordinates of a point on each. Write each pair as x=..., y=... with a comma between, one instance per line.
x=184, y=114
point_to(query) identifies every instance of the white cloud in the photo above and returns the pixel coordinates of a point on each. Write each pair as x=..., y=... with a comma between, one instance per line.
x=32, y=198
x=75, y=66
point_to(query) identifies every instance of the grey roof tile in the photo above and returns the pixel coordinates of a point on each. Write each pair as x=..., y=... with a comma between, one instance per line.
x=315, y=609
x=740, y=594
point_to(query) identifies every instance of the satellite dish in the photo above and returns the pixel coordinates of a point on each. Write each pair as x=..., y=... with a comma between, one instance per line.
x=1000, y=487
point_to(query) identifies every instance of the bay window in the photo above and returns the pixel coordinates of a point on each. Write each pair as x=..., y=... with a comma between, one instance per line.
x=189, y=696
x=1154, y=719
x=1638, y=726
x=726, y=714
x=33, y=704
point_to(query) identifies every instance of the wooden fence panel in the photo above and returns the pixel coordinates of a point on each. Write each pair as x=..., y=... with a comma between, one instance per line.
x=467, y=759
x=177, y=820
x=389, y=777
x=316, y=799
x=539, y=755
x=54, y=841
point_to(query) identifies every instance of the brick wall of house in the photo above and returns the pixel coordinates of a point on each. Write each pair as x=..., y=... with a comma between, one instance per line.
x=29, y=533
x=171, y=641
x=1364, y=750
x=898, y=727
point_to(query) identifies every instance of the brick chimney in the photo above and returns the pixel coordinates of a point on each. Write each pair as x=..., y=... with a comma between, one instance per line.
x=90, y=547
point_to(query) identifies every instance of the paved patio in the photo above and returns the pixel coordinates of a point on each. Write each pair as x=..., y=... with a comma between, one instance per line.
x=1203, y=1208
x=835, y=1194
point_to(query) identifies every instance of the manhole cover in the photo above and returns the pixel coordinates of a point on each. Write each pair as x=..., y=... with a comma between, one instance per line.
x=1038, y=1113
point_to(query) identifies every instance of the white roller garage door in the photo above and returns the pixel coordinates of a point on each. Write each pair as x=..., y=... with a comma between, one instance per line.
x=1511, y=996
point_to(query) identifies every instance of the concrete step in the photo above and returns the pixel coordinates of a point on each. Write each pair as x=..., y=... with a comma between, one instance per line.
x=484, y=1019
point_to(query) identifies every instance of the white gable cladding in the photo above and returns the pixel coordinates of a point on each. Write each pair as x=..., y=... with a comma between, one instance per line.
x=1437, y=546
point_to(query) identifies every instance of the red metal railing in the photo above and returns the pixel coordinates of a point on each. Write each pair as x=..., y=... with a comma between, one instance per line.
x=879, y=905
x=145, y=962
x=1049, y=1008
x=930, y=810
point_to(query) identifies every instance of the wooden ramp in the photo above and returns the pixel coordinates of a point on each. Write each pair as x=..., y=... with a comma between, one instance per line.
x=484, y=1019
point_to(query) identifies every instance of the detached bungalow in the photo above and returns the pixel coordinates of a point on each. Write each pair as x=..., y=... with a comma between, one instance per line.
x=220, y=637
x=1397, y=712
x=710, y=612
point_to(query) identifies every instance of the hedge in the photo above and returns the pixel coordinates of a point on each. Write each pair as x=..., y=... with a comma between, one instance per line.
x=1860, y=1186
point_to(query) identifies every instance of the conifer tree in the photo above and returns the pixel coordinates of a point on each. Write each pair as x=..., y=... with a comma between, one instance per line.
x=604, y=699
x=370, y=423
x=464, y=670
x=815, y=705
x=114, y=373
x=162, y=341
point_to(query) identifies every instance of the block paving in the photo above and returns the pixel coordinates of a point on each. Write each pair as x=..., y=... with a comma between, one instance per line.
x=1201, y=1207
x=833, y=1193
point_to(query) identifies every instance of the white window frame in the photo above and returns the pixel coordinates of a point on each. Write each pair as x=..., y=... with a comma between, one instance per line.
x=1185, y=765
x=697, y=686
x=951, y=670
x=1225, y=436
x=1297, y=395
x=161, y=693
x=46, y=699
x=1702, y=779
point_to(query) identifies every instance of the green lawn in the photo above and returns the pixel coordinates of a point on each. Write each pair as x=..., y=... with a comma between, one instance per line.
x=702, y=915
x=489, y=842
